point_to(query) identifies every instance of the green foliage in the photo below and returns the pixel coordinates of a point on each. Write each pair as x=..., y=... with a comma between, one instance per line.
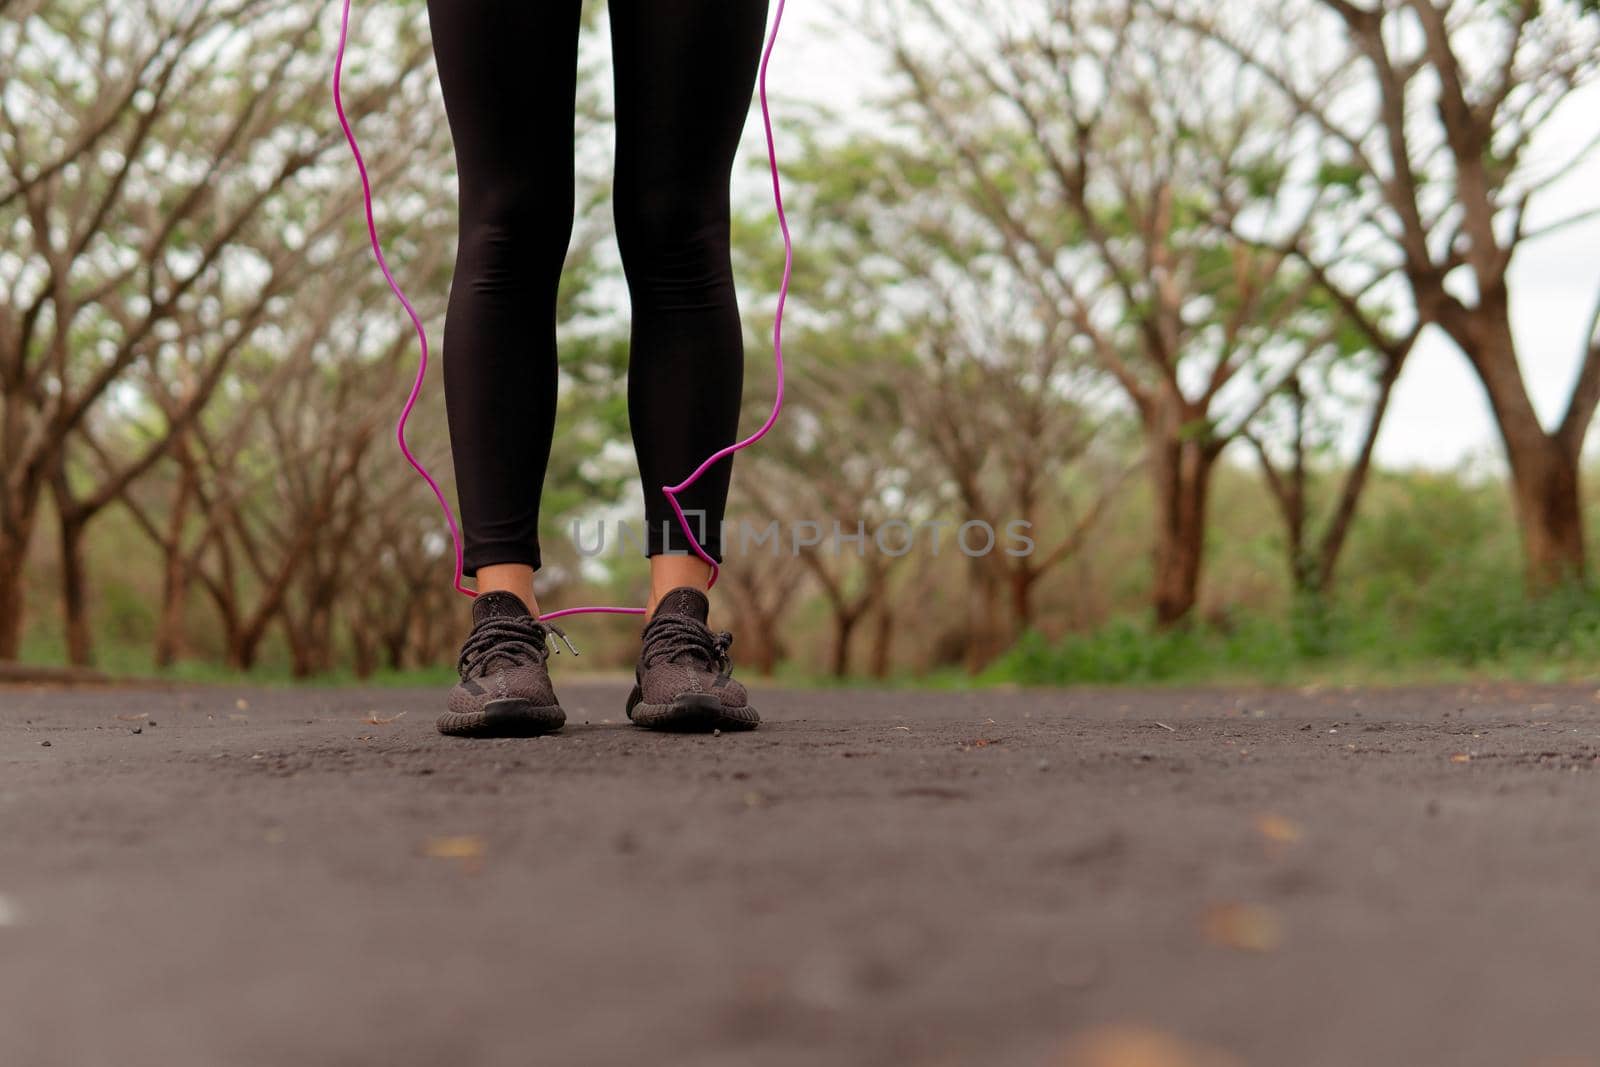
x=1340, y=175
x=1489, y=621
x=1487, y=626
x=1430, y=587
x=1126, y=650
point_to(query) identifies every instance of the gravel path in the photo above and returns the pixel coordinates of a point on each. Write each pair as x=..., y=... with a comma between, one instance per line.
x=237, y=877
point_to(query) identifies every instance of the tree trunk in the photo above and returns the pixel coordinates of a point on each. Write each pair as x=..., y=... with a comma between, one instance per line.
x=75, y=594
x=1544, y=469
x=1545, y=489
x=169, y=643
x=17, y=522
x=13, y=554
x=323, y=652
x=1023, y=578
x=984, y=640
x=765, y=627
x=310, y=638
x=364, y=651
x=1181, y=469
x=882, y=639
x=844, y=624
x=244, y=645
x=169, y=627
x=394, y=648
x=437, y=636
x=301, y=659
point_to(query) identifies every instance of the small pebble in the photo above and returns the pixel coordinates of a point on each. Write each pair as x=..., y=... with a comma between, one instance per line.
x=1044, y=765
x=44, y=744
x=137, y=730
x=716, y=733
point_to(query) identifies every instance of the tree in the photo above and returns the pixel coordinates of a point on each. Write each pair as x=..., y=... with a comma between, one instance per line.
x=1312, y=556
x=1419, y=117
x=1081, y=150
x=828, y=475
x=153, y=155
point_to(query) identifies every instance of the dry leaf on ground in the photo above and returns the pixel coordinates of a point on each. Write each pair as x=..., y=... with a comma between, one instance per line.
x=1277, y=829
x=466, y=847
x=1138, y=1046
x=1248, y=927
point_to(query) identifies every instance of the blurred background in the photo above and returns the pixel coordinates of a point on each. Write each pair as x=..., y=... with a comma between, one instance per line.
x=1276, y=320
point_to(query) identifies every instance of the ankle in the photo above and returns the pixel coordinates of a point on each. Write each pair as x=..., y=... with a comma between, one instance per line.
x=671, y=572
x=515, y=578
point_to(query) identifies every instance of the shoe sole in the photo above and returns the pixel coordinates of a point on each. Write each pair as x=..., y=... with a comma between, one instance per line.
x=511, y=717
x=691, y=713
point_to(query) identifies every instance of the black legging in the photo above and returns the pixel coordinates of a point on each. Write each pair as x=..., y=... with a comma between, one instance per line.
x=684, y=74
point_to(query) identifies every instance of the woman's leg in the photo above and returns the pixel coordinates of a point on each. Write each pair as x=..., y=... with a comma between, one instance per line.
x=685, y=71
x=508, y=69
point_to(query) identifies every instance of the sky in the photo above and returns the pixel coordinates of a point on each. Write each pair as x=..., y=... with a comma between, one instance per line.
x=1438, y=417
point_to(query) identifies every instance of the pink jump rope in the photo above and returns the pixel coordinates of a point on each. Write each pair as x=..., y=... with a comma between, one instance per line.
x=671, y=491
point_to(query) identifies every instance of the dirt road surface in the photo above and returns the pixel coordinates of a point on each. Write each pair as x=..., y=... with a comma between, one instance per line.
x=235, y=877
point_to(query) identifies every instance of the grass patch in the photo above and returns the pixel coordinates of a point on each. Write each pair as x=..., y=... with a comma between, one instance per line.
x=1485, y=629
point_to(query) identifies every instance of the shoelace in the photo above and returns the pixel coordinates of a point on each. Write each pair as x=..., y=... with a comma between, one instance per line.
x=674, y=635
x=513, y=639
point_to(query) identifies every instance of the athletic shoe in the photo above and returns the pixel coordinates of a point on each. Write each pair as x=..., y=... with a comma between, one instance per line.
x=505, y=688
x=682, y=681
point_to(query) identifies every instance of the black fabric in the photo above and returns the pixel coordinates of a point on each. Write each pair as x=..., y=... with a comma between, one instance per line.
x=498, y=603
x=684, y=72
x=685, y=600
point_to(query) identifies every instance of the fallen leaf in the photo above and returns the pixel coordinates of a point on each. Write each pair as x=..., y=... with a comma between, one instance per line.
x=1277, y=829
x=374, y=719
x=1138, y=1046
x=1461, y=757
x=1248, y=927
x=467, y=847
x=141, y=716
x=241, y=703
